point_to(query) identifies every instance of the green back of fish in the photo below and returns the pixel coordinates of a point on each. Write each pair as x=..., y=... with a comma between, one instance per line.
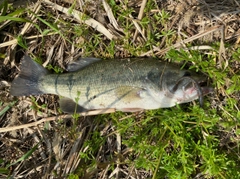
x=106, y=75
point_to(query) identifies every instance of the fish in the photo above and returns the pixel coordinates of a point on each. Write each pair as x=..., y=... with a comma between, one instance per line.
x=128, y=85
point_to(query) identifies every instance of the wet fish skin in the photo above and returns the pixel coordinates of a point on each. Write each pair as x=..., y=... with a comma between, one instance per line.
x=125, y=84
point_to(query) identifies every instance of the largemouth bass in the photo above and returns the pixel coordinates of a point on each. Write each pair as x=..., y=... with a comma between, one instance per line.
x=127, y=85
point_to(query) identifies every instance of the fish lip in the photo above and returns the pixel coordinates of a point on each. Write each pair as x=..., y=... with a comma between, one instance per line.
x=206, y=90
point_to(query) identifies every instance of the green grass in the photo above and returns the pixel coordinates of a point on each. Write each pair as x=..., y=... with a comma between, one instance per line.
x=179, y=142
x=175, y=143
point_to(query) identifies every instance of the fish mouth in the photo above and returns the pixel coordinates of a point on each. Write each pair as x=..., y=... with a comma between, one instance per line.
x=201, y=88
x=191, y=84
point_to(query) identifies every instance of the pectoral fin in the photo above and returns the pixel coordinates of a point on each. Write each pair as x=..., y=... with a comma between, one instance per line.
x=69, y=106
x=128, y=94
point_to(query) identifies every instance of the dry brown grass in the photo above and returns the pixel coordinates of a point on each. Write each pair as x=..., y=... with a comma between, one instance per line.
x=59, y=144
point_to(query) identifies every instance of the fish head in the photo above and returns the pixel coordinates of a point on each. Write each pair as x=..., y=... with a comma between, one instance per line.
x=184, y=86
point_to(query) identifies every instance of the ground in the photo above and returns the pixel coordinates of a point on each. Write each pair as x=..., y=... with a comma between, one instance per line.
x=186, y=141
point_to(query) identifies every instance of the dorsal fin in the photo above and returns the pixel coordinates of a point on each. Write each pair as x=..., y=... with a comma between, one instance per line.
x=81, y=63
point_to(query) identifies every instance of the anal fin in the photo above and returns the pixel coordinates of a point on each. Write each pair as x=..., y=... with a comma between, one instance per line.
x=69, y=106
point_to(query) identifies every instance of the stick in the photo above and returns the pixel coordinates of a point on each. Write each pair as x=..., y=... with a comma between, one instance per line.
x=47, y=119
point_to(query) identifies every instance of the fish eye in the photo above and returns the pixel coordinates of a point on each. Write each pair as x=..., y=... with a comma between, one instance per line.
x=187, y=73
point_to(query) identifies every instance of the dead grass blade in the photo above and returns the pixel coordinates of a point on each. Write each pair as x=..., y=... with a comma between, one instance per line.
x=140, y=16
x=111, y=17
x=74, y=155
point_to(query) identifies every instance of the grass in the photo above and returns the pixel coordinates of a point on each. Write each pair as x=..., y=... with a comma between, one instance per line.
x=185, y=141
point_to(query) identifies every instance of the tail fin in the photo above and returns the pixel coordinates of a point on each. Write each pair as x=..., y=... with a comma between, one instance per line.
x=26, y=83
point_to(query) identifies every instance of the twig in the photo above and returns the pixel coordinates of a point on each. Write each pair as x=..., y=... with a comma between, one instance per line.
x=89, y=113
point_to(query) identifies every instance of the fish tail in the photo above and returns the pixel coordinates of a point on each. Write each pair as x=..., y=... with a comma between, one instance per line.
x=26, y=83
